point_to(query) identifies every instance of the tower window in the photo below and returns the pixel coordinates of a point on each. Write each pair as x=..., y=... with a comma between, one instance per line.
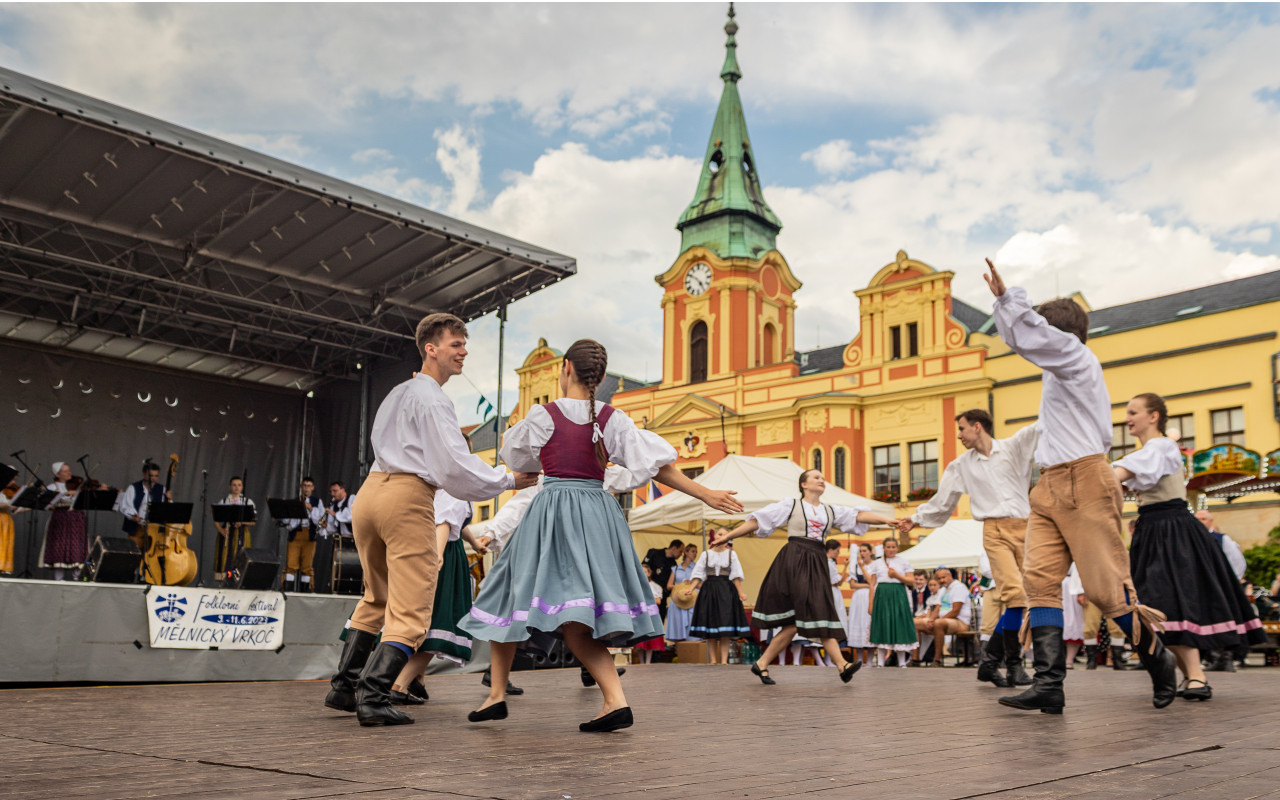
x=770, y=342
x=716, y=162
x=838, y=459
x=913, y=339
x=698, y=352
x=817, y=459
x=895, y=342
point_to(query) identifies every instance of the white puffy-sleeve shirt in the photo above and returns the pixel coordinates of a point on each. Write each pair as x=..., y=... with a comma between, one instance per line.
x=416, y=431
x=616, y=479
x=880, y=568
x=776, y=515
x=1075, y=407
x=451, y=511
x=712, y=560
x=1151, y=462
x=642, y=452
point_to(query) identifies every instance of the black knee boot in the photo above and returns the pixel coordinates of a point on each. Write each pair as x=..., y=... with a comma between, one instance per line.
x=1161, y=666
x=373, y=694
x=1090, y=656
x=355, y=652
x=1014, y=673
x=989, y=666
x=1050, y=662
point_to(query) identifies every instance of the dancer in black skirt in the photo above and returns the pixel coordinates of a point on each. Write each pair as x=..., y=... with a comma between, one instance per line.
x=1177, y=566
x=718, y=615
x=796, y=592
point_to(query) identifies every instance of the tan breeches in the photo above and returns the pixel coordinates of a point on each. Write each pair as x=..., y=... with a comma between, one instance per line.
x=1005, y=541
x=992, y=608
x=1093, y=621
x=302, y=555
x=1075, y=514
x=395, y=533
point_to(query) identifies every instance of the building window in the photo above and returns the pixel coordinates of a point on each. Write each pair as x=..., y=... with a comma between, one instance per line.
x=1185, y=424
x=484, y=512
x=770, y=342
x=624, y=500
x=838, y=459
x=817, y=458
x=693, y=472
x=924, y=465
x=886, y=471
x=895, y=341
x=1227, y=425
x=913, y=339
x=1121, y=442
x=698, y=352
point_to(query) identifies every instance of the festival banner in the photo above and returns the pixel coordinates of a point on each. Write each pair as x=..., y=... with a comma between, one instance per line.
x=193, y=618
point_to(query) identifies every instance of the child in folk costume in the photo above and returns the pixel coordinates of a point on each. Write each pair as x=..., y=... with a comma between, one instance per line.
x=859, y=626
x=1177, y=565
x=680, y=618
x=796, y=592
x=452, y=601
x=718, y=615
x=571, y=568
x=646, y=648
x=892, y=626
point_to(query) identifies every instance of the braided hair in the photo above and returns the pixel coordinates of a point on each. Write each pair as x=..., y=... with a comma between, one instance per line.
x=589, y=360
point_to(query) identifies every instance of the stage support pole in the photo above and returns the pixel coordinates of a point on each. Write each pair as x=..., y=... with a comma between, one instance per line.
x=364, y=426
x=498, y=427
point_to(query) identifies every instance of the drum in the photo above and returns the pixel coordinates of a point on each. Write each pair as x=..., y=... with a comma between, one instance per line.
x=348, y=576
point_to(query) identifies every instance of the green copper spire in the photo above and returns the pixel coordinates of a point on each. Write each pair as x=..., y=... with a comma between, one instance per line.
x=728, y=214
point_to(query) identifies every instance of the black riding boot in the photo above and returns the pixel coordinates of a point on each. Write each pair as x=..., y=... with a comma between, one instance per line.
x=1090, y=656
x=1014, y=673
x=989, y=666
x=1161, y=666
x=373, y=695
x=1050, y=662
x=1119, y=661
x=355, y=652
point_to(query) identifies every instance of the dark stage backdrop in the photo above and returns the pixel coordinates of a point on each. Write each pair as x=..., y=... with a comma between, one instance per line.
x=58, y=406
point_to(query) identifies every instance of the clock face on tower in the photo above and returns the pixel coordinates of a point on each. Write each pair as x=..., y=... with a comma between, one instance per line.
x=698, y=279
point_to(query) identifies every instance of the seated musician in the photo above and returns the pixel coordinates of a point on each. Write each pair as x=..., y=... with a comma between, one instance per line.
x=232, y=537
x=300, y=569
x=135, y=502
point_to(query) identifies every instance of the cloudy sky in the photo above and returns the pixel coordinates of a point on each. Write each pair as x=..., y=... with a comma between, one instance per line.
x=1125, y=151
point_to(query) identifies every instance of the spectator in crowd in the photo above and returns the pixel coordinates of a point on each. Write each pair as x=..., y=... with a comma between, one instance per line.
x=661, y=562
x=1223, y=660
x=950, y=616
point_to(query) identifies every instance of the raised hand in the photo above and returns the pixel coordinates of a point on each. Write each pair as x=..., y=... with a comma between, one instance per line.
x=723, y=500
x=994, y=281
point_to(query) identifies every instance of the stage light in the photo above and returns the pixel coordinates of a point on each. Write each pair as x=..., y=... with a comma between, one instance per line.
x=311, y=393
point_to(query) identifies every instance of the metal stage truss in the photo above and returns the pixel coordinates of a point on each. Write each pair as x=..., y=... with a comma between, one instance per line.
x=130, y=237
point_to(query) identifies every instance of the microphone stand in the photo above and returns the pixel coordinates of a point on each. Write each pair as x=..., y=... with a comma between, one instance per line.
x=204, y=513
x=88, y=537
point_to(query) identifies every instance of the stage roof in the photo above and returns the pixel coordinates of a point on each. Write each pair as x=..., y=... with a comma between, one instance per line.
x=128, y=236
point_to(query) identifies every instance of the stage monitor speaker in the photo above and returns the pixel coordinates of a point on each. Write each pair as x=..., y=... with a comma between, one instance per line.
x=113, y=559
x=255, y=569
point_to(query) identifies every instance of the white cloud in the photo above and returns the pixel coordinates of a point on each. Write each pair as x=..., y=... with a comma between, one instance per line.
x=393, y=181
x=288, y=146
x=459, y=157
x=371, y=154
x=837, y=157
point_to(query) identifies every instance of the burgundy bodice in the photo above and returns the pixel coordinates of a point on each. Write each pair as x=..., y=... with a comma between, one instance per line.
x=570, y=453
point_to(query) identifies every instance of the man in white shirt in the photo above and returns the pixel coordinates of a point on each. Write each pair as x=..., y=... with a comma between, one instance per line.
x=1221, y=660
x=417, y=446
x=996, y=474
x=335, y=524
x=950, y=616
x=1076, y=506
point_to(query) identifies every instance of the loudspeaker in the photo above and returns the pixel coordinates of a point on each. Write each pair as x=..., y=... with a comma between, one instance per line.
x=255, y=569
x=113, y=559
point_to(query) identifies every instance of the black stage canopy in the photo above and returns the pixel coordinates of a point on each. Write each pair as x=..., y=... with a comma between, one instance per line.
x=126, y=236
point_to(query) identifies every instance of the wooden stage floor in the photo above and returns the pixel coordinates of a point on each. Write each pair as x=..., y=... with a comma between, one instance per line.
x=701, y=732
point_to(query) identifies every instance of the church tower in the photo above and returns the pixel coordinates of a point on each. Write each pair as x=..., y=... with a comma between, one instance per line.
x=728, y=304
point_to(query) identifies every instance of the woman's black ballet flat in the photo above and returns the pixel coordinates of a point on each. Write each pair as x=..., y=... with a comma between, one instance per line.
x=1202, y=692
x=405, y=699
x=846, y=674
x=495, y=711
x=614, y=720
x=763, y=675
x=418, y=690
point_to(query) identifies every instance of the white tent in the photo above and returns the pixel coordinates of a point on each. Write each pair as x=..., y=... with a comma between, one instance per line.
x=956, y=544
x=758, y=481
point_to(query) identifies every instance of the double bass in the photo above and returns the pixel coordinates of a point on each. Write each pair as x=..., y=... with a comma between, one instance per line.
x=168, y=561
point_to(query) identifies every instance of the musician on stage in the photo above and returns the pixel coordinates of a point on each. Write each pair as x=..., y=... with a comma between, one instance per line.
x=302, y=539
x=7, y=513
x=239, y=533
x=337, y=524
x=65, y=546
x=135, y=501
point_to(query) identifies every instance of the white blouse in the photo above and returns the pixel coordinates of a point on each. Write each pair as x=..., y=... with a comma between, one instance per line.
x=65, y=498
x=712, y=560
x=776, y=515
x=880, y=569
x=640, y=451
x=1150, y=463
x=451, y=511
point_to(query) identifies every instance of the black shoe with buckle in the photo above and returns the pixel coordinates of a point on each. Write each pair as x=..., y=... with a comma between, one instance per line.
x=850, y=668
x=1202, y=692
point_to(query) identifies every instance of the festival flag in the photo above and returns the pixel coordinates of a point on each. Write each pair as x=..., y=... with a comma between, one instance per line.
x=488, y=407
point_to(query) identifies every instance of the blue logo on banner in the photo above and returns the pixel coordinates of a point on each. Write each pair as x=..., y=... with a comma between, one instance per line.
x=238, y=619
x=167, y=607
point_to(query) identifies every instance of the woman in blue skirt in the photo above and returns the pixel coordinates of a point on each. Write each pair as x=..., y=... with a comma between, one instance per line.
x=679, y=619
x=571, y=568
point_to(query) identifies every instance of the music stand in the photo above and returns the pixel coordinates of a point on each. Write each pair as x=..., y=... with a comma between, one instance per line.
x=33, y=498
x=282, y=510
x=237, y=515
x=169, y=513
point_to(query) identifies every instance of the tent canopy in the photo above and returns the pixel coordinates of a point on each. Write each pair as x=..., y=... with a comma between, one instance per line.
x=758, y=481
x=956, y=544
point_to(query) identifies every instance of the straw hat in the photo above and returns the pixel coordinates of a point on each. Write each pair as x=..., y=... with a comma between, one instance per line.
x=682, y=595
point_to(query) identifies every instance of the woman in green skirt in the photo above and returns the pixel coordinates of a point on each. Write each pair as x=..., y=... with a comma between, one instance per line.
x=892, y=627
x=452, y=602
